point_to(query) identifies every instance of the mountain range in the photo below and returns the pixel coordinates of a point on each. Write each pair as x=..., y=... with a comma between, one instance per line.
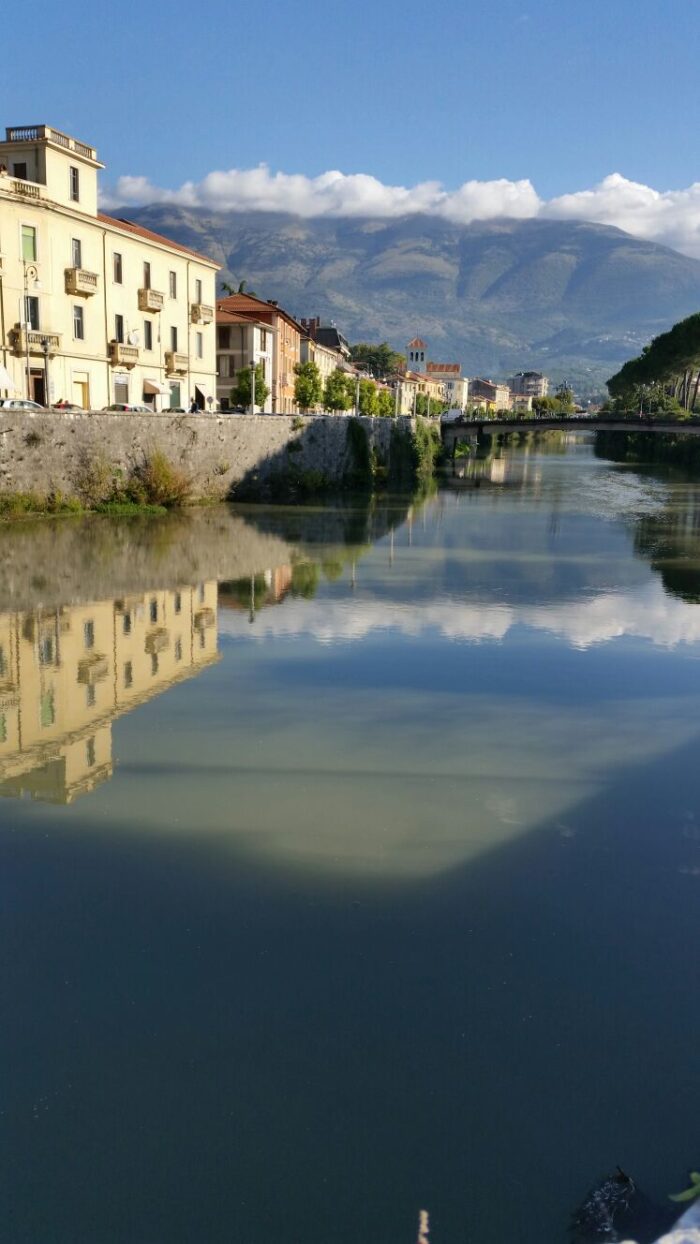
x=569, y=298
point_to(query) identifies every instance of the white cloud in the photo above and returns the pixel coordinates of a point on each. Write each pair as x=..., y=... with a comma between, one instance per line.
x=671, y=216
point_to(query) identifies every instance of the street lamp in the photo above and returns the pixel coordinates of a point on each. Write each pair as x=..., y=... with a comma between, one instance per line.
x=252, y=386
x=45, y=343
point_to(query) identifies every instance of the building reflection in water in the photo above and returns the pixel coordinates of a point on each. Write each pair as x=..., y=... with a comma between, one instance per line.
x=66, y=674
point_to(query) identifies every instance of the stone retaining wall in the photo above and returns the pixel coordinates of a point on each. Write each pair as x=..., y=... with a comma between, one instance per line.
x=40, y=452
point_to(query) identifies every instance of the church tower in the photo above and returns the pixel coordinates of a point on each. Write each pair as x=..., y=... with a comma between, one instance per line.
x=416, y=355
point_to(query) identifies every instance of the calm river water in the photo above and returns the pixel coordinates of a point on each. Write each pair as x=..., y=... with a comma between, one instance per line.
x=351, y=862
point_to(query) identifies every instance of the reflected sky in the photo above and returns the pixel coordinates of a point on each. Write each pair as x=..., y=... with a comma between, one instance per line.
x=389, y=901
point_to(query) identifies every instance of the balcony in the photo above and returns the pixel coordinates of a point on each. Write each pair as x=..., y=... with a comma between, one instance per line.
x=39, y=133
x=25, y=189
x=121, y=355
x=204, y=619
x=80, y=281
x=92, y=670
x=31, y=341
x=150, y=300
x=201, y=313
x=175, y=363
x=157, y=641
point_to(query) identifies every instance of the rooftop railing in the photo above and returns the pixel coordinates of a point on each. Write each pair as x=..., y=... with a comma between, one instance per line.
x=36, y=133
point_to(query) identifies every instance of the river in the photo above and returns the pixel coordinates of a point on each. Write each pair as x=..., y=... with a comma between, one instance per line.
x=351, y=861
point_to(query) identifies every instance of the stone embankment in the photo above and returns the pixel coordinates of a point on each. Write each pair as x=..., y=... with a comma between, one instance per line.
x=224, y=455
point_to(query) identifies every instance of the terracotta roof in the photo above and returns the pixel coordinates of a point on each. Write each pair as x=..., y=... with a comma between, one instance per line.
x=416, y=344
x=128, y=226
x=250, y=306
x=231, y=317
x=452, y=368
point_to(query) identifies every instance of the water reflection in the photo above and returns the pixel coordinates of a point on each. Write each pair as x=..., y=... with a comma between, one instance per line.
x=67, y=673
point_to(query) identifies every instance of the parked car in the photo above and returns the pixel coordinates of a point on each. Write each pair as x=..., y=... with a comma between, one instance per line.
x=137, y=408
x=19, y=403
x=66, y=406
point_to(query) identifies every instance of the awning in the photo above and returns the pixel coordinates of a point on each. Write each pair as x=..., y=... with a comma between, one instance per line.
x=6, y=381
x=203, y=388
x=153, y=386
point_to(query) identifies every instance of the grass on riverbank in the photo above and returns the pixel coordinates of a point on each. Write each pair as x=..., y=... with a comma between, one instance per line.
x=152, y=486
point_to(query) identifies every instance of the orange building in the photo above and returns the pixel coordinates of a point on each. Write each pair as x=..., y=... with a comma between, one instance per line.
x=287, y=343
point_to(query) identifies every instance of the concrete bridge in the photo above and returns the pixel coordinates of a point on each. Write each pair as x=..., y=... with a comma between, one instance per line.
x=475, y=429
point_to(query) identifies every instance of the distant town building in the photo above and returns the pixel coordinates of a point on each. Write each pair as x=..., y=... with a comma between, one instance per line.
x=490, y=394
x=97, y=310
x=521, y=403
x=416, y=355
x=529, y=384
x=455, y=385
x=327, y=335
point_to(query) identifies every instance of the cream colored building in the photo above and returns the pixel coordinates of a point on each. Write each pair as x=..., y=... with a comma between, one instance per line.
x=101, y=309
x=66, y=674
x=326, y=359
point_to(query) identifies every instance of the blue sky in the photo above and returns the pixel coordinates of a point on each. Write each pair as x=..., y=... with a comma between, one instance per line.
x=561, y=94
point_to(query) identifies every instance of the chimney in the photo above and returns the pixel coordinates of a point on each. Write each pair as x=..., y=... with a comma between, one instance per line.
x=272, y=302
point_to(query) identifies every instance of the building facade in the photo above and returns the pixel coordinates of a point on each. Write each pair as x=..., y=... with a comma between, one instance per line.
x=94, y=310
x=287, y=343
x=67, y=673
x=240, y=342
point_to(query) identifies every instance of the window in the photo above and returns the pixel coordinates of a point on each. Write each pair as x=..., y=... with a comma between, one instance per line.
x=90, y=695
x=76, y=250
x=74, y=184
x=153, y=610
x=202, y=638
x=178, y=603
x=147, y=335
x=90, y=752
x=146, y=276
x=119, y=329
x=29, y=243
x=223, y=365
x=128, y=673
x=223, y=338
x=117, y=270
x=46, y=650
x=263, y=341
x=198, y=291
x=3, y=662
x=121, y=391
x=178, y=650
x=201, y=593
x=3, y=728
x=173, y=339
x=89, y=634
x=173, y=284
x=200, y=345
x=154, y=663
x=126, y=624
x=175, y=395
x=47, y=709
x=31, y=312
x=78, y=323
x=20, y=171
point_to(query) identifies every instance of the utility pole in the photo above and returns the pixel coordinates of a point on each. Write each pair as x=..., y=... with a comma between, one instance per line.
x=252, y=386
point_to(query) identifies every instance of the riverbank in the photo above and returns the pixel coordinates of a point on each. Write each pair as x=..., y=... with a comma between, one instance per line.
x=58, y=462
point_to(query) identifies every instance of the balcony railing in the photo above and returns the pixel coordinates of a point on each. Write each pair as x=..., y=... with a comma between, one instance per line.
x=175, y=362
x=35, y=133
x=92, y=669
x=121, y=355
x=32, y=340
x=204, y=619
x=25, y=189
x=157, y=641
x=80, y=281
x=150, y=300
x=201, y=313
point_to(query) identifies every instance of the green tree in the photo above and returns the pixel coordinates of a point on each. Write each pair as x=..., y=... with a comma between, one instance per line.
x=368, y=403
x=545, y=405
x=337, y=394
x=565, y=398
x=671, y=360
x=308, y=386
x=385, y=403
x=241, y=394
x=241, y=288
x=380, y=361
